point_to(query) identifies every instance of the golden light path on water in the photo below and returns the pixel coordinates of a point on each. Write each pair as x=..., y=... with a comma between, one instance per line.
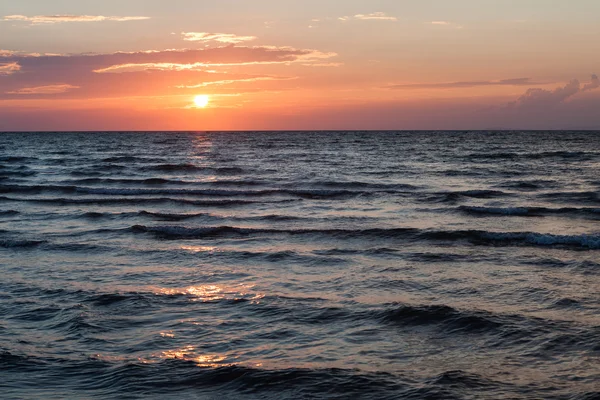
x=212, y=292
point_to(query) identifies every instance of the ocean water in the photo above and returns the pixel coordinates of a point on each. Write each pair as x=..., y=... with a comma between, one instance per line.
x=300, y=265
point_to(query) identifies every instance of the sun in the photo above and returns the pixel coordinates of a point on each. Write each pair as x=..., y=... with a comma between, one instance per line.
x=201, y=101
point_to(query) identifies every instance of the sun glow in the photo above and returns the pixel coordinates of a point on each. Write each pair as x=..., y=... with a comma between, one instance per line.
x=201, y=101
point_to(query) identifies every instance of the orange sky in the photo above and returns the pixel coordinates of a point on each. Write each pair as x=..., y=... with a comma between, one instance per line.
x=277, y=65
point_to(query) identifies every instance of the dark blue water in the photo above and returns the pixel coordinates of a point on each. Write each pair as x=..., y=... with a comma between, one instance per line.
x=346, y=265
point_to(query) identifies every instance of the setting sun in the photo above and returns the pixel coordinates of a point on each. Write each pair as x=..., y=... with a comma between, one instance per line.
x=201, y=101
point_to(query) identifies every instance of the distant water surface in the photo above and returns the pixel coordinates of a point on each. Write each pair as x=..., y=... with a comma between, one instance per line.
x=300, y=265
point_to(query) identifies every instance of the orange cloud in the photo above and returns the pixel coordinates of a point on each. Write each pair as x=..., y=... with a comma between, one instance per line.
x=123, y=68
x=217, y=37
x=9, y=68
x=55, y=19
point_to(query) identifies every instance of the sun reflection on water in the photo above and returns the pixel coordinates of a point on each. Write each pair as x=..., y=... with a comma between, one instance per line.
x=199, y=249
x=213, y=292
x=188, y=353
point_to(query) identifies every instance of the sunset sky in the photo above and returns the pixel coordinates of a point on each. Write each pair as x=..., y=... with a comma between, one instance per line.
x=311, y=64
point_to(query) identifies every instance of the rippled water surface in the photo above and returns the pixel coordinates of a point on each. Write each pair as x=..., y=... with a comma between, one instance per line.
x=335, y=265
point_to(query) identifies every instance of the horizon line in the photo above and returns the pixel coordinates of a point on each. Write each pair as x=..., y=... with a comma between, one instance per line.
x=306, y=130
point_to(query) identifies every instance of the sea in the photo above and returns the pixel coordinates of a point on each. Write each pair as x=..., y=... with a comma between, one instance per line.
x=300, y=265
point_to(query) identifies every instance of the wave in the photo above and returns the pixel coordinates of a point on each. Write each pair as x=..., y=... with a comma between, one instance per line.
x=455, y=196
x=150, y=200
x=590, y=242
x=146, y=181
x=17, y=174
x=175, y=167
x=448, y=318
x=500, y=328
x=195, y=168
x=8, y=213
x=581, y=266
x=127, y=159
x=219, y=193
x=529, y=185
x=362, y=185
x=183, y=217
x=16, y=243
x=577, y=197
x=564, y=155
x=162, y=181
x=528, y=211
x=102, y=377
x=16, y=159
x=179, y=232
x=301, y=193
x=474, y=236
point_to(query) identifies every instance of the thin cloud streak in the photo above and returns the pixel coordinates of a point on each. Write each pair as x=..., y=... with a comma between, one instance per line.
x=56, y=19
x=48, y=89
x=376, y=16
x=324, y=65
x=457, y=85
x=447, y=24
x=229, y=38
x=230, y=81
x=307, y=58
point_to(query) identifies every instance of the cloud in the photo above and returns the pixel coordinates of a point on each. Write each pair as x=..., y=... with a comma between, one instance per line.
x=9, y=68
x=446, y=24
x=131, y=67
x=49, y=89
x=55, y=19
x=143, y=73
x=230, y=81
x=376, y=16
x=329, y=64
x=162, y=60
x=594, y=84
x=217, y=37
x=269, y=55
x=541, y=98
x=467, y=84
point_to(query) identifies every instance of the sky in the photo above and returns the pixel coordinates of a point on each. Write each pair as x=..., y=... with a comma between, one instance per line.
x=299, y=65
